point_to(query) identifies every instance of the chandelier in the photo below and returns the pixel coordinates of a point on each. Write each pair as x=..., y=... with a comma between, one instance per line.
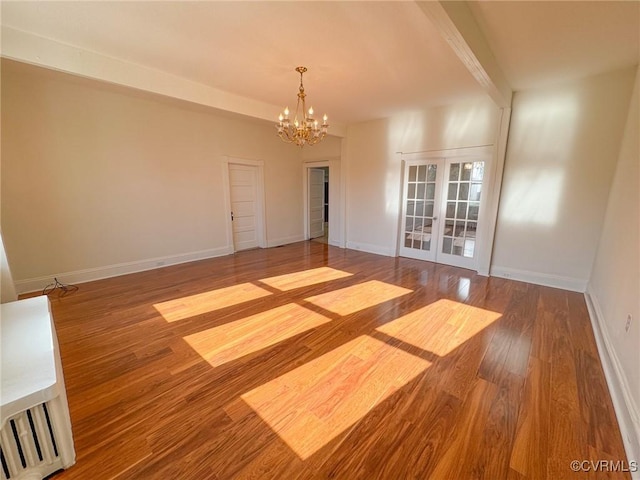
x=307, y=130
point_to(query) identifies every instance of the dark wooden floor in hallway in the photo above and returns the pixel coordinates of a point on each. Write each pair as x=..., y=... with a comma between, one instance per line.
x=309, y=361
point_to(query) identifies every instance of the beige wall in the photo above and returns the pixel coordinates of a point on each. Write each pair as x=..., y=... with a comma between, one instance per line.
x=373, y=168
x=563, y=146
x=614, y=286
x=95, y=176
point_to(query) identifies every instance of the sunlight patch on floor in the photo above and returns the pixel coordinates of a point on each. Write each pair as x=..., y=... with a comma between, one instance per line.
x=242, y=337
x=441, y=326
x=305, y=278
x=313, y=404
x=192, y=305
x=351, y=299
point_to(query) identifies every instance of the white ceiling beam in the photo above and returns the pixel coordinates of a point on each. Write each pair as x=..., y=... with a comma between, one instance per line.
x=459, y=28
x=28, y=48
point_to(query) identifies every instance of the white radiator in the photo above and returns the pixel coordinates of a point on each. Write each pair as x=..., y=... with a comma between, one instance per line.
x=35, y=434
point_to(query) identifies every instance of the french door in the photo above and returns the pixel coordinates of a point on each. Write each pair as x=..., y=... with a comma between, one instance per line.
x=441, y=209
x=420, y=210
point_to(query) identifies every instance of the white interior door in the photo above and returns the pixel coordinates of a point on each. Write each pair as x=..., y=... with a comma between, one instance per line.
x=243, y=188
x=420, y=208
x=441, y=210
x=316, y=202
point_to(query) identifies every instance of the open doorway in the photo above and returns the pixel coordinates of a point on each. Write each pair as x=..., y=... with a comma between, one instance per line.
x=320, y=182
x=318, y=204
x=332, y=201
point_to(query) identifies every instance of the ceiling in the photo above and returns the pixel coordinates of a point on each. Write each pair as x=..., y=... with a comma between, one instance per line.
x=366, y=60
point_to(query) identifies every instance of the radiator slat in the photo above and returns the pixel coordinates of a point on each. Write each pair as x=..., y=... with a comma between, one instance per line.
x=35, y=436
x=10, y=451
x=26, y=440
x=17, y=443
x=5, y=467
x=51, y=434
x=43, y=432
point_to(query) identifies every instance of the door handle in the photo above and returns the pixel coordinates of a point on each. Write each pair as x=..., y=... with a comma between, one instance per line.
x=435, y=218
x=232, y=216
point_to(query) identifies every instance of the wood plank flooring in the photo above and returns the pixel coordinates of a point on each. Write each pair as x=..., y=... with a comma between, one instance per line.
x=308, y=361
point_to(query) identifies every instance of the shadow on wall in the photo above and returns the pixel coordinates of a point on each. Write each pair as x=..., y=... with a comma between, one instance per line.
x=544, y=140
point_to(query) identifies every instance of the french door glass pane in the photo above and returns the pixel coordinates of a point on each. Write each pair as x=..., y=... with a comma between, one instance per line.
x=463, y=204
x=410, y=207
x=431, y=191
x=474, y=195
x=431, y=173
x=462, y=210
x=474, y=208
x=477, y=173
x=454, y=172
x=451, y=209
x=446, y=245
x=469, y=247
x=466, y=171
x=448, y=227
x=464, y=191
x=428, y=209
x=409, y=224
x=453, y=191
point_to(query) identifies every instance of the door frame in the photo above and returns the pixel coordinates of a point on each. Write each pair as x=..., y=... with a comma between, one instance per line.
x=260, y=207
x=305, y=195
x=484, y=234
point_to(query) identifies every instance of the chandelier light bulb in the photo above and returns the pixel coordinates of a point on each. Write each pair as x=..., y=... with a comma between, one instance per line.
x=310, y=111
x=286, y=112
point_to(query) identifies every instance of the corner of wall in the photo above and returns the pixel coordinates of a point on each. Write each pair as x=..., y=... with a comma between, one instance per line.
x=627, y=412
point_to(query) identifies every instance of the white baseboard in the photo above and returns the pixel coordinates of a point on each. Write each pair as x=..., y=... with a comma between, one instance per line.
x=370, y=248
x=627, y=412
x=108, y=271
x=276, y=242
x=545, y=279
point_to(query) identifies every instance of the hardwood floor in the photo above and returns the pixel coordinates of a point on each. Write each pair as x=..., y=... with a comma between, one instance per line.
x=308, y=361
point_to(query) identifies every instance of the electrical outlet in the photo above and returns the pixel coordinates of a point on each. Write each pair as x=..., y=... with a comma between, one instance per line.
x=627, y=325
